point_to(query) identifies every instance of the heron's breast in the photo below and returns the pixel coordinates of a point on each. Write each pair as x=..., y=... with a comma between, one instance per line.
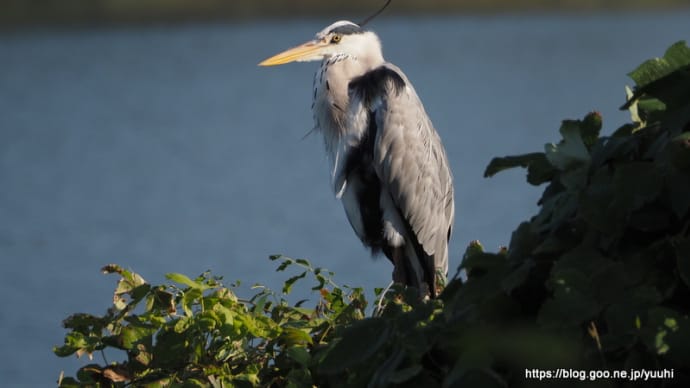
x=330, y=94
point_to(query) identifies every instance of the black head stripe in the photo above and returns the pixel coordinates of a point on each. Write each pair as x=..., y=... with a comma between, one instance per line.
x=347, y=29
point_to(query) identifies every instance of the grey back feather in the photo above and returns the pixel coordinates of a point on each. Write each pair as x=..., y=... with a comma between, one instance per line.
x=409, y=159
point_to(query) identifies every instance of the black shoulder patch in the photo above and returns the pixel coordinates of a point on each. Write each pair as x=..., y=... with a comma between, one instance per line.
x=373, y=82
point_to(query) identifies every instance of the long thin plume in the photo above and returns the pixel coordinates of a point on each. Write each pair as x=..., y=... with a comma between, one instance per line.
x=375, y=14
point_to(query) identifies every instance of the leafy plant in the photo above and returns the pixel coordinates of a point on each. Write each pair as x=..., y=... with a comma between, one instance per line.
x=598, y=280
x=197, y=332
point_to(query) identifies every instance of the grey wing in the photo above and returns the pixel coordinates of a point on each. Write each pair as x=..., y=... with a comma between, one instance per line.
x=410, y=161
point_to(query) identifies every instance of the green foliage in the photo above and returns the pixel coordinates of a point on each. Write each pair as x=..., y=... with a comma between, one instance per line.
x=605, y=260
x=598, y=279
x=197, y=332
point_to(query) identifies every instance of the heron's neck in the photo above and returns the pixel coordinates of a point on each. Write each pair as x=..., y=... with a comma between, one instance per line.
x=335, y=73
x=331, y=101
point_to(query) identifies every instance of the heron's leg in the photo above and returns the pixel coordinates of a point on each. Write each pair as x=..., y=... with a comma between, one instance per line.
x=399, y=267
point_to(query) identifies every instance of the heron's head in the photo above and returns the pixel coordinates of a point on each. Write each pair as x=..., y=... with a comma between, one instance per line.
x=340, y=38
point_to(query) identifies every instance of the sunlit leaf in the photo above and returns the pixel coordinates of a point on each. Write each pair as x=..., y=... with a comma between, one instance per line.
x=287, y=286
x=131, y=335
x=184, y=280
x=292, y=337
x=303, y=262
x=129, y=280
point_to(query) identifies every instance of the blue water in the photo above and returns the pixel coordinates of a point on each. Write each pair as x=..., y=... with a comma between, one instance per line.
x=166, y=149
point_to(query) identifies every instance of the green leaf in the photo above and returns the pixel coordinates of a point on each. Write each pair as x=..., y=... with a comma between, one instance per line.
x=129, y=281
x=650, y=104
x=181, y=324
x=522, y=242
x=284, y=264
x=555, y=211
x=663, y=84
x=130, y=336
x=676, y=57
x=667, y=332
x=385, y=372
x=171, y=350
x=79, y=343
x=84, y=323
x=287, y=286
x=585, y=259
x=517, y=276
x=482, y=262
x=571, y=151
x=540, y=171
x=194, y=383
x=208, y=321
x=186, y=281
x=160, y=299
x=300, y=355
x=402, y=375
x=572, y=303
x=590, y=127
x=89, y=373
x=636, y=184
x=65, y=350
x=622, y=316
x=130, y=284
x=475, y=247
x=303, y=262
x=292, y=337
x=682, y=248
x=358, y=344
x=538, y=167
x=595, y=204
x=678, y=150
x=190, y=298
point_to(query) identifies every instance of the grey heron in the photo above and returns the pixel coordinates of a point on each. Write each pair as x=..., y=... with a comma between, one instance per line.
x=388, y=165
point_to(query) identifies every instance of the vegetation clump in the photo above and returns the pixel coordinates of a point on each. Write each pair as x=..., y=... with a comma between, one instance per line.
x=597, y=281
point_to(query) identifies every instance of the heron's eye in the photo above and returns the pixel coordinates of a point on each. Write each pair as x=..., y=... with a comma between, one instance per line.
x=336, y=39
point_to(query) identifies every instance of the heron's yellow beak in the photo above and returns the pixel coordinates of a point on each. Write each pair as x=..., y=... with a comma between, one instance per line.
x=304, y=52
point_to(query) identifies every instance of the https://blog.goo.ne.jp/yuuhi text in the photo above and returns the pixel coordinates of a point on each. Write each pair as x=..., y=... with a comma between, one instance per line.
x=596, y=374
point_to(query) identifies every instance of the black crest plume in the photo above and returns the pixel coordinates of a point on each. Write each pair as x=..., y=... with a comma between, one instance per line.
x=375, y=14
